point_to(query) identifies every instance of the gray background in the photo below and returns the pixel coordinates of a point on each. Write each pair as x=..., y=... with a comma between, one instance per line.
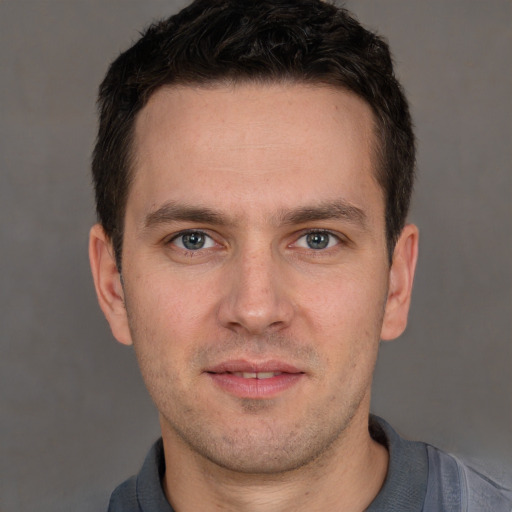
x=75, y=418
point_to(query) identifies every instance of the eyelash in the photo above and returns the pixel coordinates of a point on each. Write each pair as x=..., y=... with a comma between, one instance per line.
x=332, y=235
x=181, y=234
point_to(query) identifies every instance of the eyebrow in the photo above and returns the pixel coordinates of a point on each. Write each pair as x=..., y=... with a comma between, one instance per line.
x=338, y=210
x=171, y=212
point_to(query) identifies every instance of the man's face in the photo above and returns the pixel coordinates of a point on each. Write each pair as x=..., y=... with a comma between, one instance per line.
x=255, y=270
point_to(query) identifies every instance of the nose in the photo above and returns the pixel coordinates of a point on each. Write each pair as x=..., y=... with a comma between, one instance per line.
x=257, y=300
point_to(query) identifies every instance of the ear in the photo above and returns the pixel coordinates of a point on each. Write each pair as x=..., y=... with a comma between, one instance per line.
x=107, y=282
x=401, y=276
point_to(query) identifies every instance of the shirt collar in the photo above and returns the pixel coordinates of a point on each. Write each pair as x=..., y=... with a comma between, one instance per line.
x=405, y=486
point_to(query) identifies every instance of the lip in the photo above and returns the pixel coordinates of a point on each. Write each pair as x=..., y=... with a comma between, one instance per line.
x=242, y=365
x=228, y=377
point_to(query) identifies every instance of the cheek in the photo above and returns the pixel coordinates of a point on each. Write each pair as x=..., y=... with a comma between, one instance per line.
x=344, y=319
x=170, y=316
x=170, y=299
x=346, y=302
x=164, y=322
x=162, y=317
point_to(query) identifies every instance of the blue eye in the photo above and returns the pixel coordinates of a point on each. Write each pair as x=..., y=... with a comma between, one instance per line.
x=317, y=240
x=193, y=241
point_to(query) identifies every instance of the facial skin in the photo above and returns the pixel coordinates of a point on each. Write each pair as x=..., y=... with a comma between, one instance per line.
x=255, y=242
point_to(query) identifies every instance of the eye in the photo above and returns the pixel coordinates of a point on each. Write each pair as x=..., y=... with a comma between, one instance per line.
x=318, y=240
x=193, y=241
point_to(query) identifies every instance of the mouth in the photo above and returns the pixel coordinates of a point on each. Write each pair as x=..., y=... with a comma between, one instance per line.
x=244, y=379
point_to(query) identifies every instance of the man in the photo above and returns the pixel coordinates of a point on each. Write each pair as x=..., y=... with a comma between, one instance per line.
x=253, y=173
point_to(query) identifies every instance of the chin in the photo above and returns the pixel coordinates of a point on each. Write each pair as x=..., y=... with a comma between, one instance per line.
x=263, y=448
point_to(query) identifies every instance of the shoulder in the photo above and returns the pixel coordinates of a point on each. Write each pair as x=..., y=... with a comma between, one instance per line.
x=452, y=485
x=124, y=497
x=424, y=478
x=143, y=492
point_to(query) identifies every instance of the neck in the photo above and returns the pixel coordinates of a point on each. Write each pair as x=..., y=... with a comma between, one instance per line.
x=346, y=477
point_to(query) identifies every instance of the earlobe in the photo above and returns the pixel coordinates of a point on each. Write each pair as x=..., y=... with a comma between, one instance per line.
x=107, y=282
x=401, y=277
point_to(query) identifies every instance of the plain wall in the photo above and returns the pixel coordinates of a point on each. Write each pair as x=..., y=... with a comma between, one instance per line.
x=75, y=417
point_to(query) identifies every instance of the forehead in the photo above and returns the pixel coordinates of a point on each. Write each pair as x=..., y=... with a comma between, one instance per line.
x=252, y=144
